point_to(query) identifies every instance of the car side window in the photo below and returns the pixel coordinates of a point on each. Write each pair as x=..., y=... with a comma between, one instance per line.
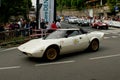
x=82, y=31
x=74, y=33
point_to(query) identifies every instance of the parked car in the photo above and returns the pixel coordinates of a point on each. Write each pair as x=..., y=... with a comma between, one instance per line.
x=81, y=22
x=72, y=20
x=62, y=41
x=99, y=25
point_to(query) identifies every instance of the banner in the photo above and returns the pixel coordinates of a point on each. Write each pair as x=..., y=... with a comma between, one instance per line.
x=47, y=10
x=112, y=23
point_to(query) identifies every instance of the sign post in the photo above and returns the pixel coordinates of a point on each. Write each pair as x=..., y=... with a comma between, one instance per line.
x=116, y=9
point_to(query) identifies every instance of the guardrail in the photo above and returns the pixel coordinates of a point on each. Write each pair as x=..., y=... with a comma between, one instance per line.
x=11, y=36
x=21, y=35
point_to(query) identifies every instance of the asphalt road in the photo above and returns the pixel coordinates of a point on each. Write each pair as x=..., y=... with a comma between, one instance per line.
x=101, y=65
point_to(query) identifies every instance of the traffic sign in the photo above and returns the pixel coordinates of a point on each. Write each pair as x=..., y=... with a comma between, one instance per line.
x=116, y=9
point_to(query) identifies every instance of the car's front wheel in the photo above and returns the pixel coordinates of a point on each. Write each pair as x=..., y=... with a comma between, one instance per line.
x=94, y=45
x=51, y=54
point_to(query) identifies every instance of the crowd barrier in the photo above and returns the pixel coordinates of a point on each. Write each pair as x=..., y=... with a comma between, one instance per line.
x=113, y=23
x=7, y=36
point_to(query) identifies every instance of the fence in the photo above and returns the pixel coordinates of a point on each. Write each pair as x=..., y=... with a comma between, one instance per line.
x=22, y=35
x=11, y=36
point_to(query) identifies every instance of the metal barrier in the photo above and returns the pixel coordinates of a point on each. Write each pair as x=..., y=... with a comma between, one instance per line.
x=41, y=32
x=7, y=36
x=14, y=35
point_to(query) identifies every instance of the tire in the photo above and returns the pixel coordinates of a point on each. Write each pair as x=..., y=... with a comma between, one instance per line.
x=51, y=54
x=94, y=45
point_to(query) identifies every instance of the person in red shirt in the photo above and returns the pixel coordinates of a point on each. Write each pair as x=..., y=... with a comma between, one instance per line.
x=53, y=25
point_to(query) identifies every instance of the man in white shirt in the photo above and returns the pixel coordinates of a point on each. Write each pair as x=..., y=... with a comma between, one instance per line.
x=58, y=24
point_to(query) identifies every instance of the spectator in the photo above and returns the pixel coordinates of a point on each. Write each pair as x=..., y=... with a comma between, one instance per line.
x=16, y=25
x=7, y=27
x=53, y=25
x=2, y=28
x=47, y=26
x=19, y=23
x=33, y=24
x=11, y=26
x=58, y=24
x=42, y=24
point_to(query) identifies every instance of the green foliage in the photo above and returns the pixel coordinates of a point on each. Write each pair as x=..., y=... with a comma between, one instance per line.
x=80, y=4
x=70, y=4
x=112, y=4
x=13, y=8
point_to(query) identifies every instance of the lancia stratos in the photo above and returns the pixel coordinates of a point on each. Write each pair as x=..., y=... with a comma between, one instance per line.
x=62, y=41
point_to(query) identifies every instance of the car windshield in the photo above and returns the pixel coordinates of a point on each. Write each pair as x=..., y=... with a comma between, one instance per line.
x=56, y=35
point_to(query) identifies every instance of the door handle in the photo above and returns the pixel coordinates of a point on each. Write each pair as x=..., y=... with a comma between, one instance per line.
x=80, y=37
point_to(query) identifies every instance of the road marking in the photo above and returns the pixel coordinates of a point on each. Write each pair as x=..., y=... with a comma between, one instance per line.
x=13, y=67
x=106, y=33
x=114, y=36
x=53, y=63
x=103, y=57
x=9, y=49
x=106, y=37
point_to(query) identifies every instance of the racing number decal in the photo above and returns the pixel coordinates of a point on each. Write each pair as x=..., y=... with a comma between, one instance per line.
x=75, y=41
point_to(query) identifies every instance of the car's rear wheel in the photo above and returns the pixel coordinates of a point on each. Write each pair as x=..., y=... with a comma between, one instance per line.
x=51, y=54
x=94, y=45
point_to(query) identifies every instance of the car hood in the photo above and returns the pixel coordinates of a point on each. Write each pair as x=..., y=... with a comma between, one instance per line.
x=34, y=45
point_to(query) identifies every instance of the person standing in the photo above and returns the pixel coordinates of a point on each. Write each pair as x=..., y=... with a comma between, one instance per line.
x=53, y=25
x=2, y=28
x=42, y=24
x=58, y=24
x=47, y=25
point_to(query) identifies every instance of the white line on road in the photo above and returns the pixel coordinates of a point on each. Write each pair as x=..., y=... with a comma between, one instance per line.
x=9, y=49
x=106, y=37
x=64, y=62
x=103, y=57
x=114, y=36
x=13, y=67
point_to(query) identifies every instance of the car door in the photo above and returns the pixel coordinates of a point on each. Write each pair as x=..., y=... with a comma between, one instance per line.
x=81, y=42
x=74, y=42
x=67, y=45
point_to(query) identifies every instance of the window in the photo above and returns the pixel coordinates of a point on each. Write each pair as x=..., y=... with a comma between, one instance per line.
x=73, y=33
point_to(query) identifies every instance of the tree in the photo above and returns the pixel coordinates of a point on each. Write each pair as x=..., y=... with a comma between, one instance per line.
x=112, y=4
x=60, y=5
x=14, y=8
x=70, y=4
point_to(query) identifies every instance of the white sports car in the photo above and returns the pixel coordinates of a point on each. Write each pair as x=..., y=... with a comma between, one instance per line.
x=62, y=41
